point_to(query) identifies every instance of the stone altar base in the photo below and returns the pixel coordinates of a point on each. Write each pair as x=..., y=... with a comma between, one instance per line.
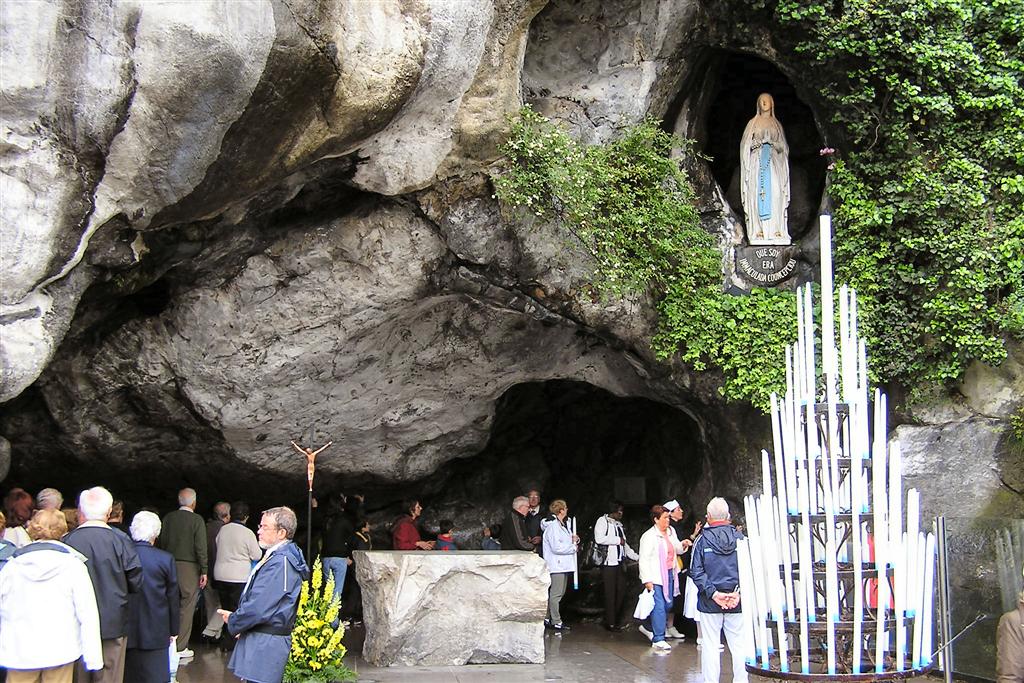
x=443, y=608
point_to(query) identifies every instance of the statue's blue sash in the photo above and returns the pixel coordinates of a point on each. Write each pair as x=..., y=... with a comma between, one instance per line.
x=764, y=182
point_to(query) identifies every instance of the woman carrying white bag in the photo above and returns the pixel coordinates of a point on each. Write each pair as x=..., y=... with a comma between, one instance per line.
x=659, y=573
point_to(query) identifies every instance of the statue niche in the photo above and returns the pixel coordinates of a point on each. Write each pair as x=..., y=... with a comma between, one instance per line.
x=764, y=176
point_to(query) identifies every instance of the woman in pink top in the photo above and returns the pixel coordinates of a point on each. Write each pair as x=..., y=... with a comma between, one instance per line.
x=659, y=573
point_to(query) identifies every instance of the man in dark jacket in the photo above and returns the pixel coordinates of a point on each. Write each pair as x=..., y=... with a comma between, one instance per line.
x=534, y=516
x=115, y=570
x=270, y=600
x=715, y=571
x=183, y=534
x=513, y=531
x=337, y=545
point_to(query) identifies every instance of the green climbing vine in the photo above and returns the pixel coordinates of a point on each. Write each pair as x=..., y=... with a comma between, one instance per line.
x=927, y=118
x=927, y=102
x=633, y=209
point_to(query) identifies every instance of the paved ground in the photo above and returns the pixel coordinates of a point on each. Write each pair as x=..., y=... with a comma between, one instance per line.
x=587, y=654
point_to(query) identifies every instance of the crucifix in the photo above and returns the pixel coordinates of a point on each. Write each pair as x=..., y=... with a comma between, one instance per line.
x=310, y=455
x=310, y=459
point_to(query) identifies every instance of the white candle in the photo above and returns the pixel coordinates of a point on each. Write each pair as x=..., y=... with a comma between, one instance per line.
x=748, y=600
x=858, y=584
x=895, y=496
x=806, y=556
x=766, y=475
x=913, y=578
x=832, y=595
x=919, y=607
x=899, y=600
x=809, y=345
x=929, y=604
x=787, y=560
x=761, y=595
x=806, y=592
x=778, y=606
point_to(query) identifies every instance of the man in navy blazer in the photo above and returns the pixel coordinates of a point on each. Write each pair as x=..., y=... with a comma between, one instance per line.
x=153, y=612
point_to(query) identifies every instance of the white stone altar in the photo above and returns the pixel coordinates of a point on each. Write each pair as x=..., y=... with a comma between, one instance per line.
x=444, y=608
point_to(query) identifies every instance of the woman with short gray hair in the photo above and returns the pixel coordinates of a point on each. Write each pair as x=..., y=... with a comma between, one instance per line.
x=153, y=611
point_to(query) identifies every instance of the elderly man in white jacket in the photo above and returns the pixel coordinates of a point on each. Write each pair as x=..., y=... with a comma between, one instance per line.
x=48, y=615
x=659, y=572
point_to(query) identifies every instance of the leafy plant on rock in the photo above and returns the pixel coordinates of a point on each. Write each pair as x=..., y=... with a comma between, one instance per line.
x=631, y=206
x=928, y=98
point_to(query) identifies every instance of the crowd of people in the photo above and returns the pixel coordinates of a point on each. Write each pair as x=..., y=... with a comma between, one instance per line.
x=705, y=557
x=84, y=598
x=123, y=597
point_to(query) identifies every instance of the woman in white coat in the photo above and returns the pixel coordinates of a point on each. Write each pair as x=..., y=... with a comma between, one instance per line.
x=560, y=554
x=659, y=572
x=48, y=615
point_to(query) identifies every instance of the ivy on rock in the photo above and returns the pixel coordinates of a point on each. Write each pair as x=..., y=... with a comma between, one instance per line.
x=633, y=209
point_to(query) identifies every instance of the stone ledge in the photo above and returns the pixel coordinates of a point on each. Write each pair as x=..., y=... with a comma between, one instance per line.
x=452, y=608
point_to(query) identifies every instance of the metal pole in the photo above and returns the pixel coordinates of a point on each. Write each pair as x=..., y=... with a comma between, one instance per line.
x=309, y=527
x=945, y=627
x=309, y=507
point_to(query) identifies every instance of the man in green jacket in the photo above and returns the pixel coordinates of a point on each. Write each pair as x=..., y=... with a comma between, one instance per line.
x=183, y=534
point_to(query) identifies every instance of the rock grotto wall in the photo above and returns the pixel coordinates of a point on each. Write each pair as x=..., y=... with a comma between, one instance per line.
x=230, y=225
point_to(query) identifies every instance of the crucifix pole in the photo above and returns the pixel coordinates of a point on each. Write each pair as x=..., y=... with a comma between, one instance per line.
x=310, y=456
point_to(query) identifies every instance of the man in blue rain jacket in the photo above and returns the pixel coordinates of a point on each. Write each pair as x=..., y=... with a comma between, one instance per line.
x=270, y=600
x=715, y=570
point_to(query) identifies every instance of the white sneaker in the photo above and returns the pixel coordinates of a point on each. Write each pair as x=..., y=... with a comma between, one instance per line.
x=647, y=633
x=673, y=632
x=186, y=654
x=661, y=646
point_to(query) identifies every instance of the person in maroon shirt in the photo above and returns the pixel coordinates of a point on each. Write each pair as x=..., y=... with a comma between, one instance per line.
x=405, y=535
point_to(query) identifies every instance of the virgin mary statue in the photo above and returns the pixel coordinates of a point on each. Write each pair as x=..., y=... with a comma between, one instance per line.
x=764, y=176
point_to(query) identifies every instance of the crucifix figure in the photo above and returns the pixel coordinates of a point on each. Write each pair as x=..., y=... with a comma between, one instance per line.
x=310, y=459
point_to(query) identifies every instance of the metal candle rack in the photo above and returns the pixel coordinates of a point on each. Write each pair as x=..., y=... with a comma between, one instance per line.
x=836, y=576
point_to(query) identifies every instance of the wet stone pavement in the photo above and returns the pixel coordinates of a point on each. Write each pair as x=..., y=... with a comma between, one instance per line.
x=587, y=654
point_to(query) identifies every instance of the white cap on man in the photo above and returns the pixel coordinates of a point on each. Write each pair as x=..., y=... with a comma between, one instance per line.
x=671, y=505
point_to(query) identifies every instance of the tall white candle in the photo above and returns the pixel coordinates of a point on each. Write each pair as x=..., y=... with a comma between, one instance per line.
x=747, y=600
x=857, y=559
x=918, y=599
x=757, y=557
x=805, y=550
x=772, y=507
x=787, y=560
x=899, y=600
x=895, y=496
x=810, y=368
x=832, y=595
x=929, y=601
x=913, y=578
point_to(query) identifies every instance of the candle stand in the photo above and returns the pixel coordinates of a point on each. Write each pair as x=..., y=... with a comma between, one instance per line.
x=836, y=575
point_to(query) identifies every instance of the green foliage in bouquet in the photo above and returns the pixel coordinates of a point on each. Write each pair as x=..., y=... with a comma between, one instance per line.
x=317, y=652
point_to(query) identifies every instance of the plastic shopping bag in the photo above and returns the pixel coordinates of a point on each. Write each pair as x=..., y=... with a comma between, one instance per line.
x=172, y=655
x=644, y=604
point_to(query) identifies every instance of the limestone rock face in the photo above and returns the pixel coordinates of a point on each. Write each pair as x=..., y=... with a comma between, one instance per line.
x=129, y=117
x=437, y=608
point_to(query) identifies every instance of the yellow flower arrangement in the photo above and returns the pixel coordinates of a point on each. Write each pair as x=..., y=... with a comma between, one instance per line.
x=317, y=652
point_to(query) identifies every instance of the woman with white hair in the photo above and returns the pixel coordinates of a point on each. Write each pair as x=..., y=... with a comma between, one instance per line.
x=153, y=611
